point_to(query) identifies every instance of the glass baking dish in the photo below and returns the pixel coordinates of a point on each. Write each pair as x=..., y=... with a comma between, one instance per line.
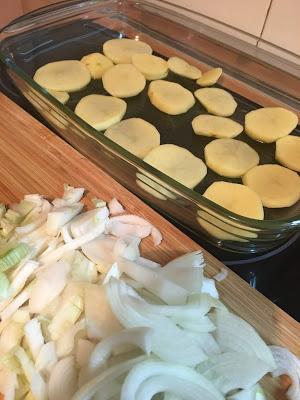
x=72, y=29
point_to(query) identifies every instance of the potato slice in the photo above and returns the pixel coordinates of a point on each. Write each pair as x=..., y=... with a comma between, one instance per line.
x=63, y=97
x=97, y=64
x=99, y=111
x=236, y=198
x=63, y=76
x=210, y=77
x=217, y=101
x=230, y=157
x=276, y=186
x=123, y=80
x=150, y=66
x=178, y=163
x=120, y=51
x=183, y=68
x=170, y=98
x=219, y=127
x=135, y=135
x=270, y=123
x=288, y=152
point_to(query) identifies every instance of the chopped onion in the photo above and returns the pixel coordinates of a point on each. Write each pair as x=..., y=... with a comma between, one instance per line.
x=21, y=277
x=128, y=247
x=63, y=380
x=58, y=217
x=140, y=373
x=34, y=337
x=154, y=282
x=83, y=269
x=220, y=276
x=86, y=222
x=46, y=359
x=11, y=336
x=100, y=251
x=232, y=370
x=71, y=196
x=100, y=320
x=193, y=259
x=115, y=207
x=49, y=284
x=17, y=302
x=145, y=262
x=37, y=384
x=38, y=219
x=234, y=334
x=84, y=350
x=65, y=343
x=209, y=287
x=8, y=384
x=287, y=364
x=112, y=272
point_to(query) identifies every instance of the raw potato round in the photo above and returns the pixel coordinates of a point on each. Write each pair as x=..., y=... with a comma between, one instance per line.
x=182, y=68
x=120, y=51
x=63, y=97
x=220, y=127
x=217, y=101
x=288, y=152
x=210, y=77
x=178, y=163
x=170, y=98
x=270, y=123
x=236, y=198
x=135, y=135
x=63, y=76
x=150, y=66
x=99, y=111
x=276, y=186
x=230, y=157
x=123, y=80
x=97, y=64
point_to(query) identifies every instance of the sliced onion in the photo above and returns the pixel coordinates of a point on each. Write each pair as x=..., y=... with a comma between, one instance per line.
x=8, y=384
x=209, y=287
x=63, y=380
x=34, y=337
x=21, y=277
x=17, y=302
x=112, y=272
x=100, y=251
x=287, y=364
x=145, y=262
x=220, y=276
x=86, y=222
x=162, y=383
x=232, y=370
x=87, y=391
x=193, y=259
x=140, y=337
x=206, y=342
x=153, y=281
x=140, y=373
x=49, y=284
x=253, y=393
x=234, y=334
x=11, y=336
x=38, y=220
x=100, y=320
x=169, y=342
x=202, y=324
x=46, y=359
x=128, y=247
x=71, y=195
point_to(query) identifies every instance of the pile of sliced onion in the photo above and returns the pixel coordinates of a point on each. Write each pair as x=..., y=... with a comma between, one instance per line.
x=85, y=316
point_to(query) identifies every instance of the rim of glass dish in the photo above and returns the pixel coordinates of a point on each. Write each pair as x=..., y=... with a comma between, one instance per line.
x=119, y=151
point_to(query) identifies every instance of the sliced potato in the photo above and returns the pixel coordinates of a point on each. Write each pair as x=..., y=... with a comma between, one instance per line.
x=63, y=76
x=123, y=80
x=236, y=198
x=97, y=64
x=135, y=135
x=219, y=127
x=99, y=111
x=230, y=157
x=276, y=186
x=150, y=66
x=217, y=101
x=63, y=97
x=120, y=51
x=288, y=152
x=170, y=97
x=270, y=123
x=178, y=163
x=183, y=68
x=210, y=77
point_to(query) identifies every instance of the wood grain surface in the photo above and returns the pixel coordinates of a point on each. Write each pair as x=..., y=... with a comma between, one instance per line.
x=35, y=160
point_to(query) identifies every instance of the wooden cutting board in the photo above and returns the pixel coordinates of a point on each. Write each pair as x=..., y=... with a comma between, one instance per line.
x=35, y=160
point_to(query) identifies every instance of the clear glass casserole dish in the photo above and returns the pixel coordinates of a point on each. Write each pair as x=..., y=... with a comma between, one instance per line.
x=72, y=29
